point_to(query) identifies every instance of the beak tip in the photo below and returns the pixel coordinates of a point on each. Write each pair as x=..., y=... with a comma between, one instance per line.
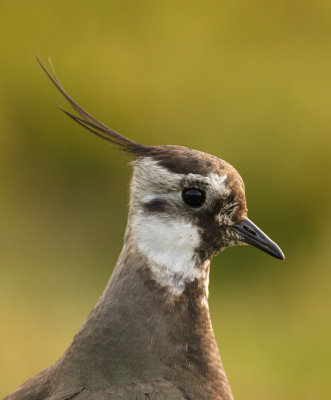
x=276, y=251
x=252, y=235
x=280, y=256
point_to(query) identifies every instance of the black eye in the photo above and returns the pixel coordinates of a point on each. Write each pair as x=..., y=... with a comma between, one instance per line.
x=193, y=197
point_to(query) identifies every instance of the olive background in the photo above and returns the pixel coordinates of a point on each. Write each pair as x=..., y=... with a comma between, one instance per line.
x=249, y=82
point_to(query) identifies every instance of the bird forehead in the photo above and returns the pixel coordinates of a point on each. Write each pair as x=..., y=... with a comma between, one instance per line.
x=151, y=177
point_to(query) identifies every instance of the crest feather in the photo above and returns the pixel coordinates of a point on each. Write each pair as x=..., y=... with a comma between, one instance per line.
x=90, y=123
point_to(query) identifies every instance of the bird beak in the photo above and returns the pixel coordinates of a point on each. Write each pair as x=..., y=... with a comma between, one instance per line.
x=251, y=234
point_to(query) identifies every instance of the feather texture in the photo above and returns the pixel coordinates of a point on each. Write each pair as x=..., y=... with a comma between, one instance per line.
x=90, y=123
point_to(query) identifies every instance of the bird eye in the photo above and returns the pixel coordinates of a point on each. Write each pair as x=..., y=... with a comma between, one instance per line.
x=193, y=197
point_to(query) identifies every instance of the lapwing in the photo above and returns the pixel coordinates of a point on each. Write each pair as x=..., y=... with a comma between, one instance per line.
x=150, y=335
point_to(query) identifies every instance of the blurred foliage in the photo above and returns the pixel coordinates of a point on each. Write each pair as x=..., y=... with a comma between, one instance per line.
x=247, y=81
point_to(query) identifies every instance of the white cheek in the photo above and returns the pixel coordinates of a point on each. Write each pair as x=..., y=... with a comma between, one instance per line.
x=170, y=246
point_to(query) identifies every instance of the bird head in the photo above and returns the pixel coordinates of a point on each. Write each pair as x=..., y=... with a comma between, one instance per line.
x=195, y=199
x=185, y=205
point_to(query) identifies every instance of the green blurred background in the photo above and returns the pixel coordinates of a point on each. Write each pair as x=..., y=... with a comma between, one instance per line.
x=247, y=81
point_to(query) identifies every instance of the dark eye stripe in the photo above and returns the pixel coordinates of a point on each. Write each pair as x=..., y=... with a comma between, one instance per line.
x=156, y=205
x=193, y=197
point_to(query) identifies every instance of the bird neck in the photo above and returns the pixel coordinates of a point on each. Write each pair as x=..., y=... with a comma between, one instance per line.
x=141, y=331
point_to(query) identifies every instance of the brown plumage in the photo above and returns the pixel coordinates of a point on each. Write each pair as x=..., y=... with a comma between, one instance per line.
x=150, y=336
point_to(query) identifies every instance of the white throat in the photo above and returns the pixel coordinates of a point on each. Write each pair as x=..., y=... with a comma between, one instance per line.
x=170, y=247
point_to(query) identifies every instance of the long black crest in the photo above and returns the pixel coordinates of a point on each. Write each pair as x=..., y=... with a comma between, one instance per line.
x=92, y=124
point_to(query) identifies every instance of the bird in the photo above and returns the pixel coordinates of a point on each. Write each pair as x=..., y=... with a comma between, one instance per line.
x=150, y=337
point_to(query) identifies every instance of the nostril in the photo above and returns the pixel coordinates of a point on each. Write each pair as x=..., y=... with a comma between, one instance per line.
x=249, y=230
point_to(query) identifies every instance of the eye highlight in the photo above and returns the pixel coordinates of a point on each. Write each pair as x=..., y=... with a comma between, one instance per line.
x=193, y=197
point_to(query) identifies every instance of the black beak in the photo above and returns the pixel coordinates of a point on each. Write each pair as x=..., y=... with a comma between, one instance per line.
x=251, y=234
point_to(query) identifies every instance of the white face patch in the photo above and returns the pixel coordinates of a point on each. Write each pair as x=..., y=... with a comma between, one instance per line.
x=170, y=247
x=168, y=238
